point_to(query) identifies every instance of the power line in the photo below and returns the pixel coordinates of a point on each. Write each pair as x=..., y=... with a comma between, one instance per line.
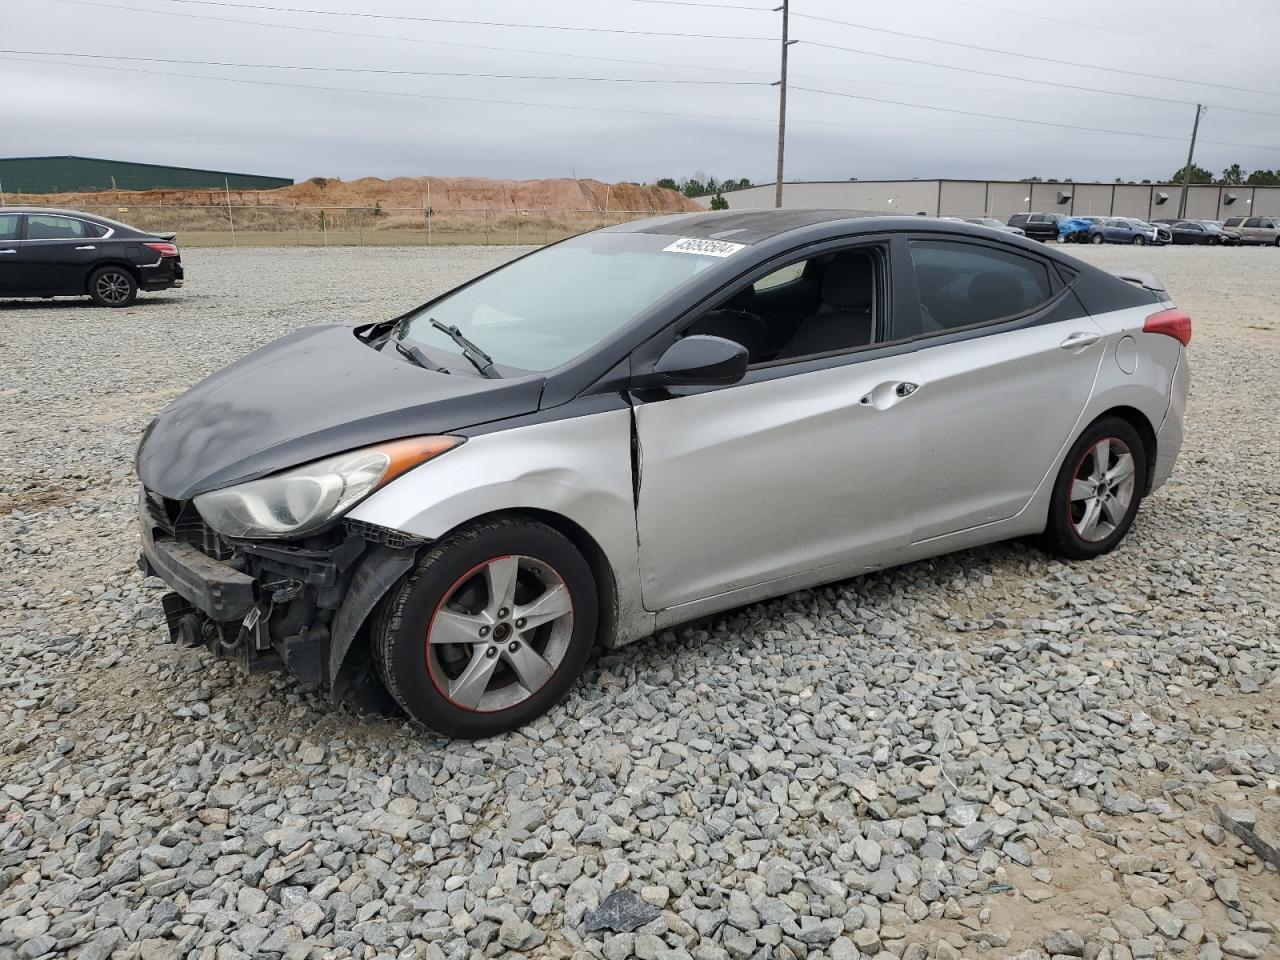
x=653, y=63
x=709, y=6
x=1009, y=76
x=1032, y=56
x=416, y=40
x=520, y=103
x=1109, y=30
x=473, y=23
x=1042, y=123
x=379, y=70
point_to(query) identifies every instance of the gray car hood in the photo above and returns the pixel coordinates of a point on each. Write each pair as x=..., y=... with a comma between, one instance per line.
x=311, y=394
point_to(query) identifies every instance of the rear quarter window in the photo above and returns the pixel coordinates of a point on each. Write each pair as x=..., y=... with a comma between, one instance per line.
x=963, y=285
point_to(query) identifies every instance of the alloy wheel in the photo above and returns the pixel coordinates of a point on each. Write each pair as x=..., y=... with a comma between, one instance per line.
x=112, y=286
x=1102, y=489
x=500, y=633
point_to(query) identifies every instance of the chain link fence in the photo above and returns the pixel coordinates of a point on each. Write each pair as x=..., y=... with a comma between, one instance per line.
x=224, y=226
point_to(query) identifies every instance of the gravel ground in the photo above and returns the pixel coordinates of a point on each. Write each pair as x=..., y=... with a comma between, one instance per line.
x=992, y=754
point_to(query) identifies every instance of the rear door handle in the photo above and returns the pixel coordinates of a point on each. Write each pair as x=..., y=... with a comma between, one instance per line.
x=886, y=394
x=1081, y=338
x=7, y=251
x=90, y=247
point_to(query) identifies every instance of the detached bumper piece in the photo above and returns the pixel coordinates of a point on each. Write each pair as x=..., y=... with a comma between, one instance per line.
x=270, y=605
x=217, y=590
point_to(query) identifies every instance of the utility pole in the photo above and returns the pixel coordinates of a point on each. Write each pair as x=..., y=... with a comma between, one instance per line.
x=1186, y=171
x=782, y=103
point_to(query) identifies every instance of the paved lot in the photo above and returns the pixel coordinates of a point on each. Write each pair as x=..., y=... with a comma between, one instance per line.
x=976, y=756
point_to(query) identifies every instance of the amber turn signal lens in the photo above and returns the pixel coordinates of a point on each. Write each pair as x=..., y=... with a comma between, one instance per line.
x=408, y=453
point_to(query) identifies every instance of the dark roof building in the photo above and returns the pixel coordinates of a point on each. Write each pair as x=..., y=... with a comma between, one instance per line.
x=73, y=174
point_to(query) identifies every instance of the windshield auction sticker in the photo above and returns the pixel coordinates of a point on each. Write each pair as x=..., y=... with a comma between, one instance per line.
x=707, y=248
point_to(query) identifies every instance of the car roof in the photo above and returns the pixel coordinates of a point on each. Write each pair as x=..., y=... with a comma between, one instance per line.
x=755, y=226
x=57, y=211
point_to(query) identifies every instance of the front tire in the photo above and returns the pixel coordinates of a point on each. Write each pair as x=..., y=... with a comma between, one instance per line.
x=1139, y=240
x=1097, y=238
x=1098, y=490
x=112, y=287
x=489, y=630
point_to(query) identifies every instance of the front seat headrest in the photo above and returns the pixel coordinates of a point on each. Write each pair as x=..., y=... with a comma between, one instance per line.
x=847, y=282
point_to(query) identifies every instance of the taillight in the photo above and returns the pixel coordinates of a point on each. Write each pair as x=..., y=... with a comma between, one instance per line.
x=1172, y=323
x=164, y=249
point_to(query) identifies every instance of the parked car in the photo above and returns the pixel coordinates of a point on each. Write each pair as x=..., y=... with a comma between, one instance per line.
x=995, y=224
x=1195, y=232
x=1221, y=233
x=1074, y=229
x=1125, y=230
x=1264, y=230
x=641, y=426
x=64, y=253
x=1037, y=226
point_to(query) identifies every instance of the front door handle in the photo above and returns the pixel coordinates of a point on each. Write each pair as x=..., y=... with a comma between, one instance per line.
x=1081, y=338
x=89, y=247
x=886, y=394
x=8, y=251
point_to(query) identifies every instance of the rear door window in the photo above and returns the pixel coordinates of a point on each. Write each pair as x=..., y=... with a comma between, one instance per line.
x=9, y=226
x=1254, y=222
x=964, y=285
x=43, y=227
x=1234, y=221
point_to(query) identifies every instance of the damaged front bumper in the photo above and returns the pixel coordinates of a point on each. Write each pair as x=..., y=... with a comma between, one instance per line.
x=271, y=604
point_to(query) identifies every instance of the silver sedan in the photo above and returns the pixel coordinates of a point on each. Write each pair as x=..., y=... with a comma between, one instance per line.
x=645, y=425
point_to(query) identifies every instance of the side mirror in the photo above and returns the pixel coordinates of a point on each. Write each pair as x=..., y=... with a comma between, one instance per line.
x=697, y=361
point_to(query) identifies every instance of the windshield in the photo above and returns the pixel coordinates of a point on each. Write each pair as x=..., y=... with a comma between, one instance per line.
x=543, y=310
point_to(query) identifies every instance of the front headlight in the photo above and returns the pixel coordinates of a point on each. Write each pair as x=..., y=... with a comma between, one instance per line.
x=300, y=500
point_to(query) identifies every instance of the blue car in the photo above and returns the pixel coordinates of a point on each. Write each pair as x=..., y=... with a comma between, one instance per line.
x=1124, y=230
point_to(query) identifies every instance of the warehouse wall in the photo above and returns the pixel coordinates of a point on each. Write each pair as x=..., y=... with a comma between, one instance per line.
x=1266, y=201
x=1003, y=198
x=963, y=198
x=1091, y=200
x=68, y=174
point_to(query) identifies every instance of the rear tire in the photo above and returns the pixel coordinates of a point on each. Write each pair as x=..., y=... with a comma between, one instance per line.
x=112, y=287
x=465, y=670
x=1098, y=490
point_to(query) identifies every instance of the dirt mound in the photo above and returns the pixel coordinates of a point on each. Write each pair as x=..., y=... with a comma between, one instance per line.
x=438, y=193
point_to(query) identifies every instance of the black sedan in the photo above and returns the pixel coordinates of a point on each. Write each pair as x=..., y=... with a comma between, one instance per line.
x=63, y=253
x=1196, y=232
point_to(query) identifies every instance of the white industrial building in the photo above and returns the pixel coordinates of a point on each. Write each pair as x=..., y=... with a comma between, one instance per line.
x=1003, y=198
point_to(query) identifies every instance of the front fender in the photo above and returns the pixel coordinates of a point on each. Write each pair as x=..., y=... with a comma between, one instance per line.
x=578, y=468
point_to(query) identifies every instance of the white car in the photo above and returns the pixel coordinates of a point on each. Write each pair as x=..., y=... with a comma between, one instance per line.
x=641, y=426
x=995, y=224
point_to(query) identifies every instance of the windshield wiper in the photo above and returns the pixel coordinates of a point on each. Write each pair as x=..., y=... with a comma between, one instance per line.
x=416, y=355
x=479, y=359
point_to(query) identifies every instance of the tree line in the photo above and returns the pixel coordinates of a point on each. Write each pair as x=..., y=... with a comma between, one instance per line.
x=1232, y=176
x=699, y=185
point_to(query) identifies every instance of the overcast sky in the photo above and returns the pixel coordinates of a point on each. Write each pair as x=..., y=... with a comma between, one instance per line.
x=726, y=129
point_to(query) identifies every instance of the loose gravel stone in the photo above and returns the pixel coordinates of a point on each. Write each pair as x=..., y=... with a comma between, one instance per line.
x=942, y=760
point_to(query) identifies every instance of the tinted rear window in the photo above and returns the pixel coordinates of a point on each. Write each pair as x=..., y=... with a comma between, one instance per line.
x=964, y=284
x=9, y=226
